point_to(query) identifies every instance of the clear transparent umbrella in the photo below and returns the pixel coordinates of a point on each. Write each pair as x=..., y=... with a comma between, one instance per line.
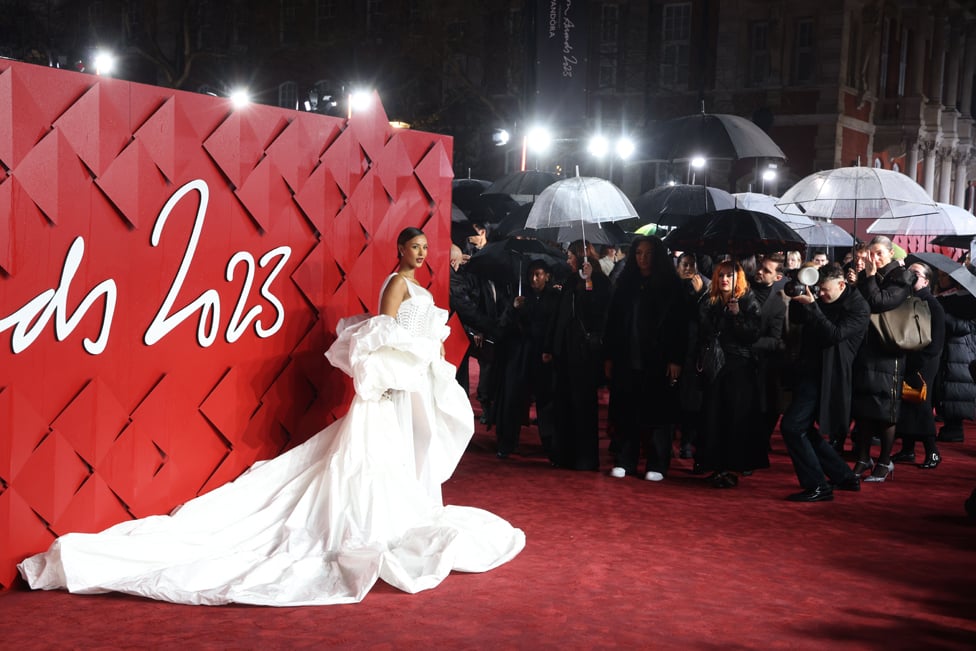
x=582, y=200
x=857, y=193
x=950, y=220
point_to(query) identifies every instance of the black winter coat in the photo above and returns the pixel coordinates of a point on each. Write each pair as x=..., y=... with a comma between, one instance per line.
x=878, y=371
x=576, y=329
x=831, y=337
x=769, y=346
x=647, y=329
x=955, y=396
x=736, y=333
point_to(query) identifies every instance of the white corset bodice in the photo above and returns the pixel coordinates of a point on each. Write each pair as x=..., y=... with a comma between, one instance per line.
x=418, y=315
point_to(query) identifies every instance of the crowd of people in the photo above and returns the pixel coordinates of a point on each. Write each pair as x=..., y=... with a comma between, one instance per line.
x=703, y=356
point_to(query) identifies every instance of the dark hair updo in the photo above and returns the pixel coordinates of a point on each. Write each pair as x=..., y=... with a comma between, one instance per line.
x=406, y=235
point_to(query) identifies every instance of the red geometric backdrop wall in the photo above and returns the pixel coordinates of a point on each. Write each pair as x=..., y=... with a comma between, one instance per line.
x=171, y=272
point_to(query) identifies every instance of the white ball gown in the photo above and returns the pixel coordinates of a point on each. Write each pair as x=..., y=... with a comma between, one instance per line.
x=321, y=523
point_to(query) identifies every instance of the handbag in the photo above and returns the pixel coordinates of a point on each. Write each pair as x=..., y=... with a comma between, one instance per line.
x=906, y=328
x=912, y=394
x=711, y=359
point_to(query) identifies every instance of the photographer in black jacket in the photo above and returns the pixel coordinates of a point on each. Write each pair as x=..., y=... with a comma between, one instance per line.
x=833, y=327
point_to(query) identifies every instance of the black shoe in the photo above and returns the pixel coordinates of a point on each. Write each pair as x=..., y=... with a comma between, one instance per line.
x=905, y=456
x=853, y=484
x=502, y=455
x=932, y=461
x=723, y=480
x=949, y=437
x=698, y=469
x=950, y=434
x=818, y=494
x=862, y=466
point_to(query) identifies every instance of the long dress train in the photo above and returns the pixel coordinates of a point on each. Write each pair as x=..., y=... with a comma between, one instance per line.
x=319, y=524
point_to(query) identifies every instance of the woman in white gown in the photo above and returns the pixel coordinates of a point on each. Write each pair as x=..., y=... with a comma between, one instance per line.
x=321, y=523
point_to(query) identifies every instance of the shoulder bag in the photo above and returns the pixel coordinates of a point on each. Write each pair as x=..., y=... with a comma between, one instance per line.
x=711, y=358
x=906, y=328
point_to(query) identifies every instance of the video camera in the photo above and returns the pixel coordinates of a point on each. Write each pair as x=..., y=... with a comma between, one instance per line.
x=800, y=279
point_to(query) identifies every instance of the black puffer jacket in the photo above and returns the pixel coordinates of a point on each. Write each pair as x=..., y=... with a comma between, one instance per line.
x=955, y=394
x=878, y=371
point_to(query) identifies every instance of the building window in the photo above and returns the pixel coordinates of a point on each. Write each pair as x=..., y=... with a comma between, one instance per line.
x=374, y=16
x=902, y=62
x=608, y=73
x=675, y=44
x=885, y=59
x=288, y=95
x=456, y=30
x=854, y=55
x=237, y=26
x=205, y=33
x=609, y=17
x=609, y=35
x=288, y=22
x=759, y=53
x=325, y=13
x=514, y=24
x=803, y=64
x=415, y=18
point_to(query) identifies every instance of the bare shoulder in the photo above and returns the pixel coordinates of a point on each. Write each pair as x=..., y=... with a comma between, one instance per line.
x=395, y=293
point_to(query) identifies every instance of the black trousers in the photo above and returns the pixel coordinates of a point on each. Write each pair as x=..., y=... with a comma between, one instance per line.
x=641, y=420
x=814, y=459
x=576, y=440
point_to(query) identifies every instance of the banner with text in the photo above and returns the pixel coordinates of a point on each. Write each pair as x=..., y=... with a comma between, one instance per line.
x=172, y=270
x=560, y=63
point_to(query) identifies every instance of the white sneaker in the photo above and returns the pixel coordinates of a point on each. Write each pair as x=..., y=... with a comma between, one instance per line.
x=653, y=476
x=618, y=472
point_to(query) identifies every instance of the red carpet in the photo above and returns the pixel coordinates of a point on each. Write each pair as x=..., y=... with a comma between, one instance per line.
x=620, y=563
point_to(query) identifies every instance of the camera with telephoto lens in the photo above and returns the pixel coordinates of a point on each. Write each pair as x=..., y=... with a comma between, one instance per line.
x=800, y=279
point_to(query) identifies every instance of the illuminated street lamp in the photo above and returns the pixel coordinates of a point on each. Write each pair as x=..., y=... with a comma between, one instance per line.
x=697, y=163
x=768, y=176
x=104, y=62
x=239, y=98
x=598, y=147
x=625, y=148
x=538, y=139
x=359, y=100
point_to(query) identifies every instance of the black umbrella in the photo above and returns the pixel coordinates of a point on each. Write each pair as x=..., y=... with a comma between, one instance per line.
x=737, y=231
x=458, y=216
x=671, y=205
x=955, y=241
x=466, y=193
x=529, y=183
x=506, y=261
x=958, y=272
x=513, y=222
x=713, y=136
x=603, y=233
